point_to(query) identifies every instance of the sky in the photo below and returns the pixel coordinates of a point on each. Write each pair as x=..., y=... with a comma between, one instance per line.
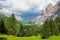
x=24, y=9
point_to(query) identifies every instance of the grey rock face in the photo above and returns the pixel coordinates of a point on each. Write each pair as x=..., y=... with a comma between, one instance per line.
x=50, y=12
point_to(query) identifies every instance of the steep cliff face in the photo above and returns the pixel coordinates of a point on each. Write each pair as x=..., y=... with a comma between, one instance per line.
x=57, y=12
x=50, y=12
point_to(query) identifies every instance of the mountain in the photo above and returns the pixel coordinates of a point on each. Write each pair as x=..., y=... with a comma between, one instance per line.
x=17, y=17
x=50, y=12
x=58, y=9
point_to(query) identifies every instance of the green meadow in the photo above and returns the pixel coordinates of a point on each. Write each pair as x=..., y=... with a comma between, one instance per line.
x=10, y=37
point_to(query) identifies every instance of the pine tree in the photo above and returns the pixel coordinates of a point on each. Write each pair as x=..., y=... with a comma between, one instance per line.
x=2, y=25
x=21, y=30
x=57, y=20
x=10, y=25
x=28, y=32
x=49, y=28
x=53, y=28
x=45, y=33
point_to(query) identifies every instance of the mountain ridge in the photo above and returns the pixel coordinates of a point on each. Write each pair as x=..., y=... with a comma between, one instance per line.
x=51, y=12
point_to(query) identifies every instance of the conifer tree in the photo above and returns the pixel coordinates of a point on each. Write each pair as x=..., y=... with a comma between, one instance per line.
x=53, y=28
x=21, y=30
x=57, y=20
x=10, y=24
x=45, y=33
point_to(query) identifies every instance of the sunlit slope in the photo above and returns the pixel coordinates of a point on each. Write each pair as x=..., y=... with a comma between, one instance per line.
x=10, y=37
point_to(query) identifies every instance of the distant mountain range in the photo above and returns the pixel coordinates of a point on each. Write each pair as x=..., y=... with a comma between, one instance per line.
x=50, y=12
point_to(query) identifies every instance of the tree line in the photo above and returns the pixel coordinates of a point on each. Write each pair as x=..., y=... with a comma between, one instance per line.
x=9, y=26
x=50, y=27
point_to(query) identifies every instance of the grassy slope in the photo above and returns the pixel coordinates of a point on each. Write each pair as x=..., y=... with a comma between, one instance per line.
x=10, y=37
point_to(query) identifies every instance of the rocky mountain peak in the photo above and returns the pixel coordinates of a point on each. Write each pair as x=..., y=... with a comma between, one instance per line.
x=50, y=12
x=58, y=4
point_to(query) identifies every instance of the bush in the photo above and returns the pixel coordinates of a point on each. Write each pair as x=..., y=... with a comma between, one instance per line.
x=2, y=38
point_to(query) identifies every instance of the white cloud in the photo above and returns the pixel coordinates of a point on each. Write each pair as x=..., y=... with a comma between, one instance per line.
x=45, y=3
x=21, y=5
x=5, y=3
x=24, y=5
x=27, y=4
x=10, y=6
x=5, y=10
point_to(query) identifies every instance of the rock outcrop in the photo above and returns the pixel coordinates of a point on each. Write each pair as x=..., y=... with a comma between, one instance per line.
x=50, y=12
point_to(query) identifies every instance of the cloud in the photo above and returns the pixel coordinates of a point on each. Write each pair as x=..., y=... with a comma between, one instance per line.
x=20, y=6
x=2, y=0
x=24, y=5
